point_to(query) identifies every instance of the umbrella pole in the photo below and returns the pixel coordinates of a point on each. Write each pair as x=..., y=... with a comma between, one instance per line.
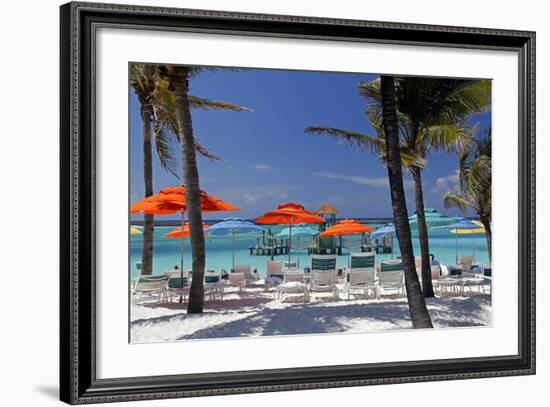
x=456, y=248
x=233, y=246
x=289, y=243
x=474, y=246
x=298, y=252
x=181, y=252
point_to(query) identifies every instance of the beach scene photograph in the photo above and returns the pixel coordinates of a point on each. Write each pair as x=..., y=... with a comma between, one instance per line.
x=266, y=202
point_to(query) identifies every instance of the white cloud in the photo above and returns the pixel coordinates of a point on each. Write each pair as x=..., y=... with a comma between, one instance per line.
x=445, y=183
x=254, y=195
x=381, y=182
x=264, y=167
x=250, y=198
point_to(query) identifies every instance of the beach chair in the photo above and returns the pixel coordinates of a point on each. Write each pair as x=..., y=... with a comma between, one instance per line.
x=391, y=277
x=487, y=275
x=434, y=266
x=213, y=284
x=150, y=287
x=249, y=277
x=361, y=274
x=290, y=265
x=323, y=274
x=236, y=280
x=293, y=283
x=273, y=275
x=451, y=281
x=177, y=285
x=465, y=263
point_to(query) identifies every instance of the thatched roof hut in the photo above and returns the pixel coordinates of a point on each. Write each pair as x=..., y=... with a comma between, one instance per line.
x=326, y=209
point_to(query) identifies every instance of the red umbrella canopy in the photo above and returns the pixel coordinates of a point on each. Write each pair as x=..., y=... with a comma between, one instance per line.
x=347, y=227
x=172, y=200
x=176, y=233
x=289, y=214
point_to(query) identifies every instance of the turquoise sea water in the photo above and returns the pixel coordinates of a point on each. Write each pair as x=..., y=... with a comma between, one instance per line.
x=166, y=251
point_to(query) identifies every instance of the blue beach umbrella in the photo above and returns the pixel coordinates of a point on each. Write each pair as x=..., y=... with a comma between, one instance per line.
x=297, y=231
x=433, y=219
x=462, y=224
x=387, y=229
x=233, y=226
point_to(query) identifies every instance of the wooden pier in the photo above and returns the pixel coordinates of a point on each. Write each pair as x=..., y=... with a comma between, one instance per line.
x=270, y=247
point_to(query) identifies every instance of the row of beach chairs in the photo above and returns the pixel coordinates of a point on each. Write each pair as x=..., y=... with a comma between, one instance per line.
x=323, y=275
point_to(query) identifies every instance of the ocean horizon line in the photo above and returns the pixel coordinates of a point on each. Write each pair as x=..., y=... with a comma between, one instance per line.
x=177, y=222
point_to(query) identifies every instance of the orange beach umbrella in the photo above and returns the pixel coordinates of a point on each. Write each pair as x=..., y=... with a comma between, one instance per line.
x=172, y=200
x=347, y=227
x=289, y=214
x=177, y=234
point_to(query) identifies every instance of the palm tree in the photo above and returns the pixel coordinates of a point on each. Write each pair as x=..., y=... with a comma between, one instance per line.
x=475, y=185
x=177, y=78
x=417, y=305
x=144, y=81
x=430, y=116
x=432, y=113
x=160, y=123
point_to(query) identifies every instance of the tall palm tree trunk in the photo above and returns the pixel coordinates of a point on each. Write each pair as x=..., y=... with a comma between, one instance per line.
x=180, y=80
x=417, y=306
x=488, y=234
x=427, y=286
x=148, y=224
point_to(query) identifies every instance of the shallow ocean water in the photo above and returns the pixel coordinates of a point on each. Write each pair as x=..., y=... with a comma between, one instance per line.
x=166, y=251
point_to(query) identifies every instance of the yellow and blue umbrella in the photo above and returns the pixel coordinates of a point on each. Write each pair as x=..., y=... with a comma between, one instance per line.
x=463, y=227
x=135, y=231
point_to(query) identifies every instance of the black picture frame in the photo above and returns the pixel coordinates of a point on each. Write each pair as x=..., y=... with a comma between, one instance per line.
x=78, y=382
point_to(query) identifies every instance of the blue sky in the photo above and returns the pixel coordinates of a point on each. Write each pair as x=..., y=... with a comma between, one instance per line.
x=267, y=157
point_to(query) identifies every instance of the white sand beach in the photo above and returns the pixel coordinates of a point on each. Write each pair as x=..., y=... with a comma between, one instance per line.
x=255, y=313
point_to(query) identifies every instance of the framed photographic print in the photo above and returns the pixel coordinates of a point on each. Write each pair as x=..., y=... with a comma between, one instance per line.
x=255, y=203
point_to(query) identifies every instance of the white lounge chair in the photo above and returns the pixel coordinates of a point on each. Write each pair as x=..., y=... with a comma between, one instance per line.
x=177, y=285
x=249, y=277
x=273, y=275
x=465, y=263
x=323, y=274
x=150, y=287
x=293, y=284
x=434, y=266
x=361, y=275
x=391, y=277
x=487, y=273
x=236, y=280
x=213, y=284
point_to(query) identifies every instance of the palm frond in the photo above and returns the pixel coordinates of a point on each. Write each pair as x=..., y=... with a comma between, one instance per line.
x=464, y=101
x=445, y=137
x=209, y=104
x=371, y=90
x=200, y=149
x=348, y=136
x=453, y=199
x=164, y=151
